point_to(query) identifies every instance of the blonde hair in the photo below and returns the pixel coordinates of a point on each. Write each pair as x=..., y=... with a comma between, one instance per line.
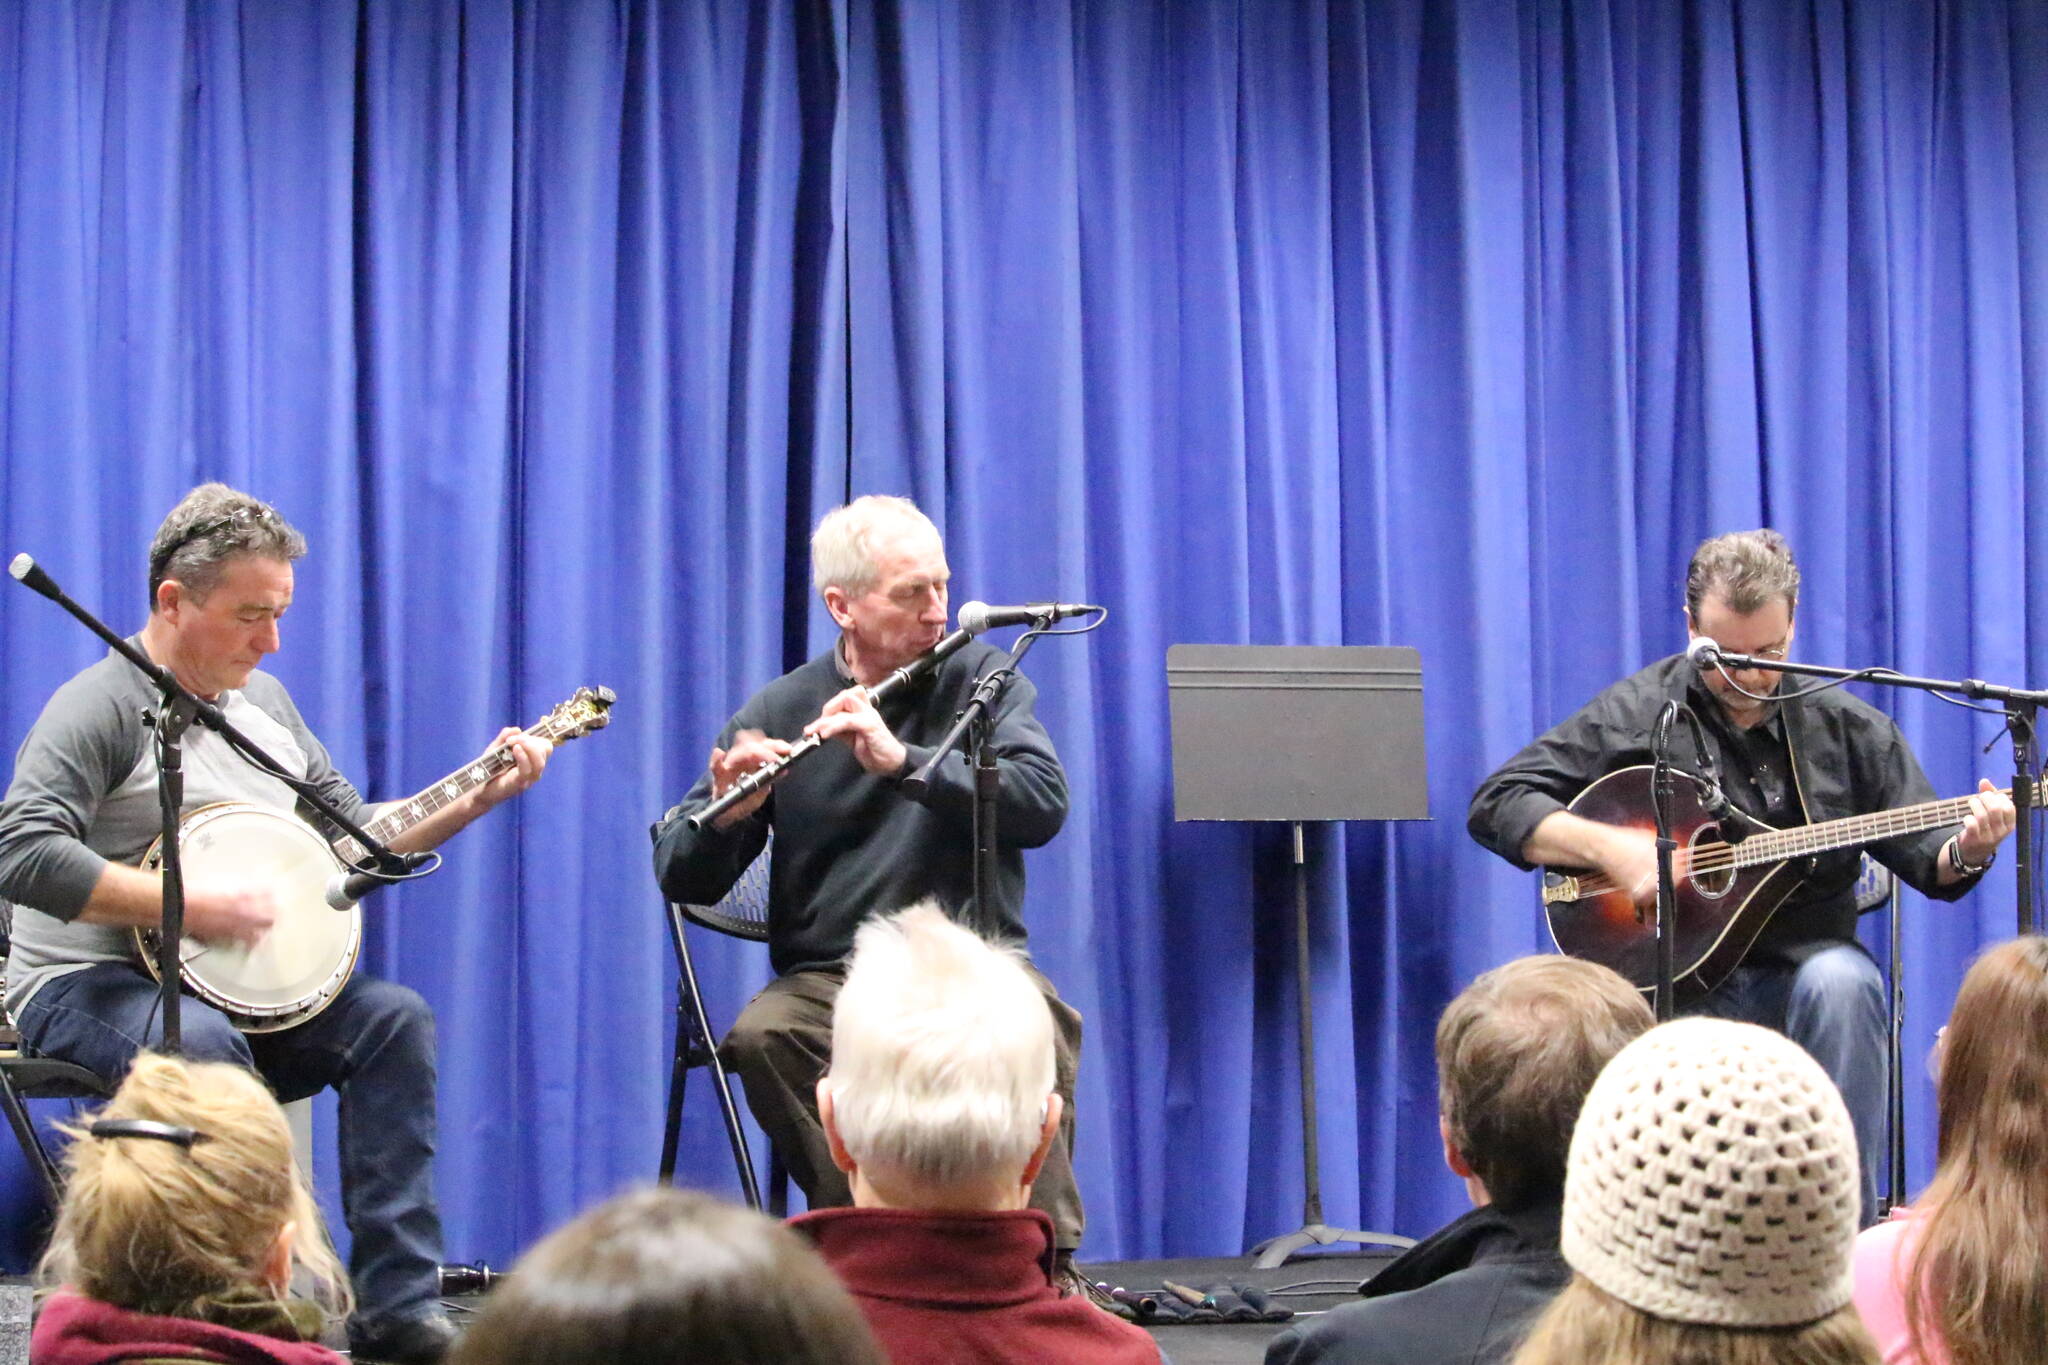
x=1585, y=1325
x=942, y=1052
x=1978, y=1277
x=160, y=1228
x=843, y=546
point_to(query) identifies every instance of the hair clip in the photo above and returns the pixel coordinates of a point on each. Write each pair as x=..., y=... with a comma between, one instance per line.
x=147, y=1128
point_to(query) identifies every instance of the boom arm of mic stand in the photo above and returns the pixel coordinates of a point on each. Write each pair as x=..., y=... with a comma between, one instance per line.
x=177, y=699
x=985, y=693
x=2021, y=705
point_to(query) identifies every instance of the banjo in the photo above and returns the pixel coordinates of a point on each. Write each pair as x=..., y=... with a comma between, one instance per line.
x=297, y=968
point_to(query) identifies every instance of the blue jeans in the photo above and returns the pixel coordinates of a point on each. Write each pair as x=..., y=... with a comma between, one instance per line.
x=374, y=1045
x=1833, y=1005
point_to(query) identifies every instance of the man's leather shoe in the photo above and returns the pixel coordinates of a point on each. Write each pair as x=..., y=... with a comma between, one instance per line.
x=423, y=1340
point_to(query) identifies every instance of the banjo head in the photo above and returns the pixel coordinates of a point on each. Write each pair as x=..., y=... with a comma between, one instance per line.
x=308, y=954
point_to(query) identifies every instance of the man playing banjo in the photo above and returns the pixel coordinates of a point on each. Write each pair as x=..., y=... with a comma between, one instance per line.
x=82, y=811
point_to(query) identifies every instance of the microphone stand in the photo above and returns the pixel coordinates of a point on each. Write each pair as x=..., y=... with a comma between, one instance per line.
x=2022, y=708
x=977, y=721
x=175, y=712
x=1663, y=785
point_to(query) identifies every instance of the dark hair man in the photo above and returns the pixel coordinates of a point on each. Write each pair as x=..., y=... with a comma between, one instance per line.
x=1516, y=1052
x=1784, y=761
x=82, y=811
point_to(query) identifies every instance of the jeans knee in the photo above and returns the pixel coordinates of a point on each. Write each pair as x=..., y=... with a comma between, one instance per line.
x=1841, y=977
x=204, y=1035
x=397, y=1013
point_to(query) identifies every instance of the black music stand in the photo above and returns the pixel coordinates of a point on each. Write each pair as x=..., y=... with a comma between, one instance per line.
x=1299, y=733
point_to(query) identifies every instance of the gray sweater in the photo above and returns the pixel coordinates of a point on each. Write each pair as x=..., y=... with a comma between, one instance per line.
x=84, y=795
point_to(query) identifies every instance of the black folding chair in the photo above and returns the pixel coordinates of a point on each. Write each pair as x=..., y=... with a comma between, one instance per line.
x=742, y=913
x=36, y=1078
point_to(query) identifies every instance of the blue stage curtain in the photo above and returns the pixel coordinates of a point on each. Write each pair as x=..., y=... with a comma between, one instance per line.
x=1452, y=324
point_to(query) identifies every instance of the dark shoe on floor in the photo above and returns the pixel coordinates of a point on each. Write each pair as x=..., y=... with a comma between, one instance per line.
x=415, y=1341
x=1068, y=1279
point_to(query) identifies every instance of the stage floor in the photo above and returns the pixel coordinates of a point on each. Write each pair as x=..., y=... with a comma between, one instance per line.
x=1323, y=1281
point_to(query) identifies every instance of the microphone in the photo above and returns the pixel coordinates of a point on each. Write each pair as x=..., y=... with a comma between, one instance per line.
x=30, y=574
x=976, y=617
x=348, y=886
x=1702, y=651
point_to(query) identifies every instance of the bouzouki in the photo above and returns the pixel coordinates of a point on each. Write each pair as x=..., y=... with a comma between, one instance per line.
x=298, y=968
x=1727, y=891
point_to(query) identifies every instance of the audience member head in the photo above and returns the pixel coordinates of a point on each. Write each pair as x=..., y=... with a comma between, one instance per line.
x=1981, y=1262
x=211, y=525
x=1516, y=1052
x=940, y=1093
x=182, y=1194
x=666, y=1275
x=1709, y=1210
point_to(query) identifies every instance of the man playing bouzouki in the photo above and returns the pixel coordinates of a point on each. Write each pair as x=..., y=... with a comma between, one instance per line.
x=1788, y=763
x=82, y=810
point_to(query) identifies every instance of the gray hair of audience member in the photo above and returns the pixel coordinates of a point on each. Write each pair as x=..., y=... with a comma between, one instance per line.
x=842, y=548
x=1745, y=569
x=210, y=526
x=942, y=1053
x=663, y=1275
x=1516, y=1052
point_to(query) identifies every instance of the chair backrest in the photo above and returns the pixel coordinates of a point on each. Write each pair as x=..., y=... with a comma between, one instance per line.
x=743, y=910
x=1873, y=884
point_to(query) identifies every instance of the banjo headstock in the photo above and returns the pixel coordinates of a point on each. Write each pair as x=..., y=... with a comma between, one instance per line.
x=587, y=710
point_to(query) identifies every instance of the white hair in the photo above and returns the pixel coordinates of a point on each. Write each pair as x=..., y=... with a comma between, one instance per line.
x=942, y=1052
x=842, y=548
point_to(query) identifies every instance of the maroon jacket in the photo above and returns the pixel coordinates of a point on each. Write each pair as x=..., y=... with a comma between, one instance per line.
x=945, y=1288
x=74, y=1330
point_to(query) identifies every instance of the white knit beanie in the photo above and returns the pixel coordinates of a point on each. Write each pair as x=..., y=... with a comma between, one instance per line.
x=1713, y=1179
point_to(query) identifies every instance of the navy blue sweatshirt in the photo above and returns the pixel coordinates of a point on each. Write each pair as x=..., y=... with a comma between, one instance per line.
x=849, y=843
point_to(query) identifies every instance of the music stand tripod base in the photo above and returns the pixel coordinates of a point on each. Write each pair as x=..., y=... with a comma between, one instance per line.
x=1276, y=1251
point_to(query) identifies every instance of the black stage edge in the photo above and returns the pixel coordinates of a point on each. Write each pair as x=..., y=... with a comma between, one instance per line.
x=1327, y=1279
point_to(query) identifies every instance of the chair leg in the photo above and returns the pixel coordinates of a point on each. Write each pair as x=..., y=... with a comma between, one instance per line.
x=47, y=1174
x=694, y=1047
x=778, y=1184
x=678, y=1076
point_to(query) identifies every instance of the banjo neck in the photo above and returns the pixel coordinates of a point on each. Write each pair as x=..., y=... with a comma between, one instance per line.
x=566, y=722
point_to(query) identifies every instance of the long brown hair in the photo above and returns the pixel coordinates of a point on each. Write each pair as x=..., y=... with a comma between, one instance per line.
x=1978, y=1277
x=670, y=1275
x=158, y=1228
x=1585, y=1325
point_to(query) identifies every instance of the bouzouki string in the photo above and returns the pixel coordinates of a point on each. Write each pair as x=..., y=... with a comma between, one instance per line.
x=1771, y=846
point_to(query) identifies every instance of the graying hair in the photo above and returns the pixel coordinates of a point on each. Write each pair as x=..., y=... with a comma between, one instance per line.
x=942, y=1052
x=1745, y=569
x=842, y=548
x=210, y=526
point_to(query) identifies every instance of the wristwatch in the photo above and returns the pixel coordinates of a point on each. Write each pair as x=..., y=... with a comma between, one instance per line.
x=1963, y=869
